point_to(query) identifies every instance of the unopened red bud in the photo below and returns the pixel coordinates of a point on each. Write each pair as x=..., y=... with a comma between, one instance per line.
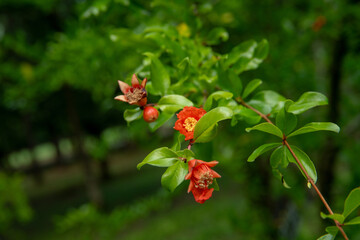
x=150, y=114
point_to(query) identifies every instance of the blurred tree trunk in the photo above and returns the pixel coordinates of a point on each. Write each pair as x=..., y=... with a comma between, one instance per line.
x=31, y=142
x=104, y=169
x=331, y=148
x=55, y=141
x=91, y=181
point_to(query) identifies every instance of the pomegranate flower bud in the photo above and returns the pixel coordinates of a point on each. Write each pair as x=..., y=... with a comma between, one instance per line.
x=150, y=114
x=134, y=94
x=201, y=176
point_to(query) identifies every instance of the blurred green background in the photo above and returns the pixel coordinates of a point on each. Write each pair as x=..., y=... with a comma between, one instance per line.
x=68, y=159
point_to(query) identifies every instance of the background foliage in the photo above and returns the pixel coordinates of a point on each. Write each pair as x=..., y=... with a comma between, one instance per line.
x=64, y=133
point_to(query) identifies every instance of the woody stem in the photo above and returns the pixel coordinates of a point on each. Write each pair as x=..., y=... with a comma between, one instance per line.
x=338, y=225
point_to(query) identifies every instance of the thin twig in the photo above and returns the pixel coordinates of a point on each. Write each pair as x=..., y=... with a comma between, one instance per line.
x=338, y=225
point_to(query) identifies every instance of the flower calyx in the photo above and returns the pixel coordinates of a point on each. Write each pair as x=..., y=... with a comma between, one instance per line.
x=134, y=94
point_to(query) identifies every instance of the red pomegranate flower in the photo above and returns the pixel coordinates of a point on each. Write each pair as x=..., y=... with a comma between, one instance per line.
x=187, y=119
x=201, y=177
x=134, y=95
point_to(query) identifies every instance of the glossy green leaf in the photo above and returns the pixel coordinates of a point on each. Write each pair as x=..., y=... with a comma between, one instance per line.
x=280, y=158
x=132, y=114
x=178, y=139
x=216, y=36
x=214, y=185
x=262, y=149
x=174, y=175
x=184, y=68
x=186, y=153
x=354, y=221
x=326, y=237
x=173, y=103
x=268, y=128
x=305, y=161
x=307, y=101
x=352, y=202
x=250, y=87
x=245, y=114
x=338, y=217
x=276, y=172
x=243, y=50
x=162, y=119
x=208, y=135
x=260, y=54
x=332, y=230
x=159, y=76
x=268, y=99
x=216, y=96
x=161, y=157
x=316, y=126
x=229, y=80
x=262, y=50
x=210, y=119
x=286, y=121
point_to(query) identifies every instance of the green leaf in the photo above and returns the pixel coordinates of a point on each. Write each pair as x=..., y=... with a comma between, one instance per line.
x=280, y=158
x=338, y=217
x=305, y=161
x=210, y=119
x=268, y=128
x=216, y=36
x=332, y=230
x=276, y=172
x=178, y=139
x=186, y=153
x=286, y=121
x=316, y=126
x=260, y=54
x=268, y=101
x=243, y=50
x=184, y=68
x=174, y=175
x=159, y=76
x=306, y=101
x=262, y=149
x=173, y=103
x=352, y=202
x=214, y=185
x=216, y=96
x=262, y=50
x=132, y=114
x=243, y=113
x=162, y=119
x=250, y=87
x=229, y=80
x=208, y=135
x=161, y=157
x=354, y=221
x=326, y=237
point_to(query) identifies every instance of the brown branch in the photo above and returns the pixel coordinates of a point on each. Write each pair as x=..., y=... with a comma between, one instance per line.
x=338, y=225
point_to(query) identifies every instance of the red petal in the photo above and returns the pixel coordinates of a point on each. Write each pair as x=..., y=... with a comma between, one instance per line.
x=121, y=98
x=191, y=186
x=215, y=174
x=143, y=84
x=211, y=164
x=191, y=164
x=202, y=195
x=134, y=80
x=124, y=87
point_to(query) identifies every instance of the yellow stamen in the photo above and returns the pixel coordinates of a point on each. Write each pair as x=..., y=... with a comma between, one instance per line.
x=189, y=124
